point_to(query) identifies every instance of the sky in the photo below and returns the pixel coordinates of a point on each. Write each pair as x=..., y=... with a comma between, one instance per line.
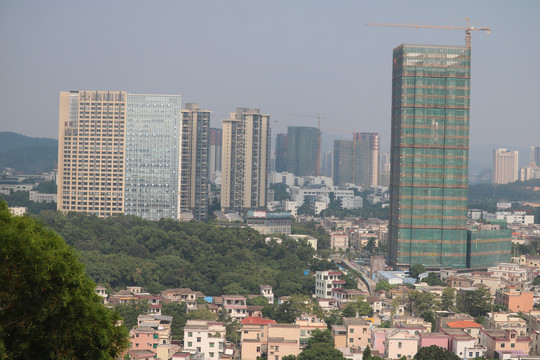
x=304, y=57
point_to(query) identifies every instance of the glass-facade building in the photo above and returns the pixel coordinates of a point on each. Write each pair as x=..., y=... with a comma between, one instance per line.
x=152, y=156
x=429, y=156
x=303, y=151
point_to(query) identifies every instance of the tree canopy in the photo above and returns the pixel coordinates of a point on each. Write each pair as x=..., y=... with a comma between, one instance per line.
x=49, y=307
x=475, y=303
x=416, y=270
x=435, y=352
x=127, y=250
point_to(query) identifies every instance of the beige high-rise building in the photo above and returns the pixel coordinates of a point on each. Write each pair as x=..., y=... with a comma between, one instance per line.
x=194, y=168
x=91, y=152
x=505, y=166
x=245, y=160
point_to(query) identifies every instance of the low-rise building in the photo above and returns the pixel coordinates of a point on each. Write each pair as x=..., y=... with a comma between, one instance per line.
x=468, y=326
x=254, y=337
x=347, y=295
x=505, y=321
x=437, y=338
x=463, y=345
x=378, y=337
x=204, y=337
x=270, y=222
x=236, y=305
x=266, y=291
x=325, y=281
x=308, y=323
x=184, y=295
x=357, y=331
x=283, y=339
x=514, y=300
x=498, y=342
x=400, y=343
x=339, y=240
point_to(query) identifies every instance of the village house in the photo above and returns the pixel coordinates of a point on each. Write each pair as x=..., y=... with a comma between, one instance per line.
x=514, y=300
x=400, y=343
x=499, y=342
x=505, y=321
x=357, y=332
x=183, y=295
x=308, y=323
x=204, y=337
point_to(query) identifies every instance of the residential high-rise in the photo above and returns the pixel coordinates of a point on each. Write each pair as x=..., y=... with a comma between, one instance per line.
x=366, y=158
x=152, y=175
x=535, y=155
x=303, y=151
x=281, y=153
x=343, y=162
x=357, y=161
x=429, y=156
x=215, y=153
x=194, y=166
x=131, y=154
x=245, y=160
x=505, y=166
x=92, y=132
x=327, y=164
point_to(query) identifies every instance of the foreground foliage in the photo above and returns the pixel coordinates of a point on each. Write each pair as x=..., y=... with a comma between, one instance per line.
x=49, y=309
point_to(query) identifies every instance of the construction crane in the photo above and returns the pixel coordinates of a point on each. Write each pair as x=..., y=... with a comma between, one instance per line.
x=467, y=29
x=319, y=140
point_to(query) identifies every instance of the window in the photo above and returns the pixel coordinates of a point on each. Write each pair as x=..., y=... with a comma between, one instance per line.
x=351, y=331
x=351, y=340
x=189, y=334
x=198, y=339
x=189, y=344
x=211, y=354
x=512, y=345
x=258, y=349
x=399, y=345
x=503, y=345
x=211, y=344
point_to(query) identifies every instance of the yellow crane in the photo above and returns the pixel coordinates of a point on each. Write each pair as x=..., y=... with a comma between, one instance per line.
x=467, y=29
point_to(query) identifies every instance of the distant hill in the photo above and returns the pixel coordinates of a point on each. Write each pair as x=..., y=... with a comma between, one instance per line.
x=27, y=154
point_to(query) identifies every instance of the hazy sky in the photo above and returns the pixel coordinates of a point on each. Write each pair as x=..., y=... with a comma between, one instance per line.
x=284, y=57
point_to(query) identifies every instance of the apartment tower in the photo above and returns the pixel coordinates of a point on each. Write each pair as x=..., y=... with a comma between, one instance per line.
x=429, y=156
x=303, y=151
x=356, y=161
x=245, y=160
x=281, y=153
x=215, y=154
x=505, y=166
x=194, y=168
x=91, y=152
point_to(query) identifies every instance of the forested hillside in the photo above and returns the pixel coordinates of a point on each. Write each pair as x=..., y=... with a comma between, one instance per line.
x=27, y=154
x=127, y=250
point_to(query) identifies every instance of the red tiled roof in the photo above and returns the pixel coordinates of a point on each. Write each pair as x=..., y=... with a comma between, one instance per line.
x=256, y=320
x=463, y=324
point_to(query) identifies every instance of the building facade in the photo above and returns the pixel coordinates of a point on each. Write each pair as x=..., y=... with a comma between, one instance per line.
x=91, y=152
x=429, y=156
x=194, y=167
x=245, y=160
x=281, y=153
x=303, y=151
x=152, y=156
x=214, y=155
x=356, y=161
x=505, y=166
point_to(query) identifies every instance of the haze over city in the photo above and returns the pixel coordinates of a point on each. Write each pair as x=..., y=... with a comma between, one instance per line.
x=285, y=58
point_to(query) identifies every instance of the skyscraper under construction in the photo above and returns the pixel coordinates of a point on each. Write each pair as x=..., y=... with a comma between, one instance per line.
x=429, y=156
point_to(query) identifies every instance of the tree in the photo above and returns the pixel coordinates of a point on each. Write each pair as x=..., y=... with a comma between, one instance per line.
x=536, y=280
x=130, y=312
x=434, y=280
x=435, y=352
x=422, y=304
x=49, y=307
x=320, y=346
x=383, y=285
x=358, y=308
x=448, y=299
x=366, y=354
x=416, y=270
x=178, y=311
x=475, y=303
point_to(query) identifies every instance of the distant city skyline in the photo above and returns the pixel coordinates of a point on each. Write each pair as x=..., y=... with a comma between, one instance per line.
x=318, y=58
